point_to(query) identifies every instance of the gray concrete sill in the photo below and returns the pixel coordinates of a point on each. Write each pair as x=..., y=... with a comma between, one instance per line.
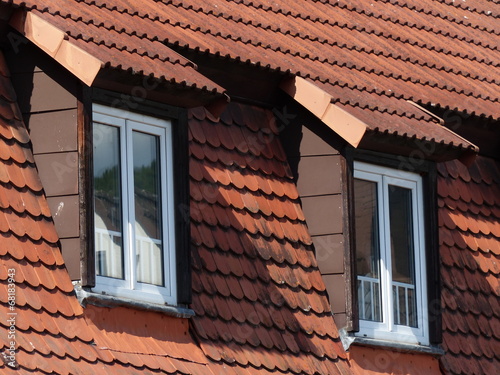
x=348, y=340
x=103, y=300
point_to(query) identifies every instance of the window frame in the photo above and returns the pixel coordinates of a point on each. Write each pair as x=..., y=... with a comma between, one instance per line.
x=171, y=223
x=387, y=329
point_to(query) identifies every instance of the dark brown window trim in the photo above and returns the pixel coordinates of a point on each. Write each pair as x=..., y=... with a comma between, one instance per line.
x=352, y=322
x=86, y=187
x=178, y=116
x=427, y=169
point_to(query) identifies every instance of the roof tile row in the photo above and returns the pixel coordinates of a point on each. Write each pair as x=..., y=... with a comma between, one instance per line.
x=259, y=298
x=370, y=58
x=52, y=334
x=470, y=254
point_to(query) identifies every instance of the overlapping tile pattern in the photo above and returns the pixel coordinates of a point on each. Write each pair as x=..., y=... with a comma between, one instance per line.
x=469, y=221
x=372, y=57
x=117, y=49
x=259, y=298
x=49, y=318
x=52, y=334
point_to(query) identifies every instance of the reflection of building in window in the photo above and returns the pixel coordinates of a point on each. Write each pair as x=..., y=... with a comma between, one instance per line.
x=132, y=199
x=390, y=257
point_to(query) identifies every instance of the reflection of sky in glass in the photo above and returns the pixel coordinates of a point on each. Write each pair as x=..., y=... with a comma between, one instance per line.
x=106, y=147
x=400, y=214
x=147, y=208
x=144, y=150
x=108, y=209
x=366, y=228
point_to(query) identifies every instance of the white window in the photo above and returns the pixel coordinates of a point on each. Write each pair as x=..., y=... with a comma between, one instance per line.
x=133, y=200
x=390, y=254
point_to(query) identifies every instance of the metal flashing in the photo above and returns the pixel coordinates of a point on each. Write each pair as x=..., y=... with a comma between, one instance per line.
x=319, y=103
x=54, y=42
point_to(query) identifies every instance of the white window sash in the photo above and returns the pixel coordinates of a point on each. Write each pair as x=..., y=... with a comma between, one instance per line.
x=387, y=329
x=109, y=282
x=128, y=122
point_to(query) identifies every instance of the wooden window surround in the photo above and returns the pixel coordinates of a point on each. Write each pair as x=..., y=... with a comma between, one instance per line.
x=143, y=250
x=390, y=254
x=361, y=323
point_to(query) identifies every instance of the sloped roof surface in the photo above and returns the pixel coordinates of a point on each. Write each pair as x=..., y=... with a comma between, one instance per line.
x=370, y=56
x=52, y=334
x=469, y=221
x=49, y=320
x=259, y=298
x=96, y=30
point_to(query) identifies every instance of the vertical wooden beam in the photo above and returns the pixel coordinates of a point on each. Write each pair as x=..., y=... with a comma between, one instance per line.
x=347, y=173
x=433, y=263
x=86, y=187
x=182, y=215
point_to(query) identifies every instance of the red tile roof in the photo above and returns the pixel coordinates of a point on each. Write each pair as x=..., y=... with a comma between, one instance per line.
x=95, y=29
x=469, y=221
x=371, y=57
x=260, y=301
x=373, y=361
x=259, y=298
x=53, y=333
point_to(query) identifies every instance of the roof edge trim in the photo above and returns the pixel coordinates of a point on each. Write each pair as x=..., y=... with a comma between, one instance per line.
x=319, y=103
x=436, y=117
x=53, y=41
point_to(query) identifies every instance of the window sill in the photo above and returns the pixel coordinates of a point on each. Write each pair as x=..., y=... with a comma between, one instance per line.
x=349, y=339
x=86, y=297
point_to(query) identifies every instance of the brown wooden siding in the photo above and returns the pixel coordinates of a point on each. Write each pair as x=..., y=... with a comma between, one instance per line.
x=314, y=155
x=47, y=96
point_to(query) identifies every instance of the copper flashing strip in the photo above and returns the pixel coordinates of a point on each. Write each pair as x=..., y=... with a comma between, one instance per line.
x=442, y=123
x=439, y=119
x=319, y=103
x=53, y=41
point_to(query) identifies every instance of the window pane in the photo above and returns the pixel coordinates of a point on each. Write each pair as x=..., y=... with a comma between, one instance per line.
x=402, y=252
x=147, y=200
x=107, y=201
x=367, y=249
